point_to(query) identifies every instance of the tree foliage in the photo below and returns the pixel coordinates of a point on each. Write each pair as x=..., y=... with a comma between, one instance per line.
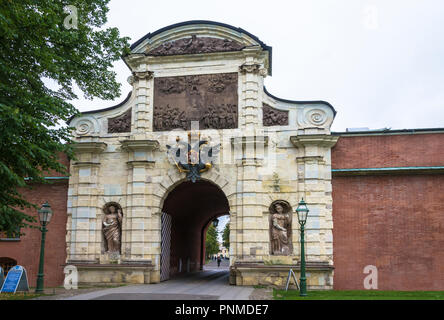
x=36, y=48
x=211, y=243
x=226, y=236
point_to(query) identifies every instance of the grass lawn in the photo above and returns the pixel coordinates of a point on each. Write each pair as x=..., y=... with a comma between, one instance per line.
x=359, y=295
x=20, y=295
x=52, y=291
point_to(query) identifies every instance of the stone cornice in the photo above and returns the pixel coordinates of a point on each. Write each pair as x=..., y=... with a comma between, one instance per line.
x=86, y=164
x=135, y=60
x=93, y=147
x=321, y=140
x=140, y=145
x=310, y=159
x=113, y=266
x=310, y=265
x=140, y=163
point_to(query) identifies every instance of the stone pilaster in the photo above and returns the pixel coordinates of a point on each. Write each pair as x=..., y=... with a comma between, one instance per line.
x=251, y=75
x=250, y=243
x=314, y=172
x=83, y=233
x=143, y=84
x=137, y=225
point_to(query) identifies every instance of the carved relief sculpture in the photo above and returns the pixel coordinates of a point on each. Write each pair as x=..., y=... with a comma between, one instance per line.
x=210, y=99
x=121, y=123
x=196, y=45
x=112, y=227
x=274, y=117
x=280, y=228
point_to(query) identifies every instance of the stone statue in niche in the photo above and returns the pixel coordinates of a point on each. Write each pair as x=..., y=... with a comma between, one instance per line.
x=121, y=123
x=280, y=228
x=274, y=117
x=112, y=227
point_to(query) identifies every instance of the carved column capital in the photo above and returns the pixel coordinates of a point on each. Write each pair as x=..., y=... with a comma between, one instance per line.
x=251, y=68
x=142, y=75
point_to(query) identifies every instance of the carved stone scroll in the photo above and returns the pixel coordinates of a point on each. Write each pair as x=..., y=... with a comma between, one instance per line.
x=196, y=45
x=280, y=228
x=274, y=117
x=210, y=99
x=121, y=123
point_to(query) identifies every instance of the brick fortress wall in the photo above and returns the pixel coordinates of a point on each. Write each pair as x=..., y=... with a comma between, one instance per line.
x=26, y=251
x=393, y=221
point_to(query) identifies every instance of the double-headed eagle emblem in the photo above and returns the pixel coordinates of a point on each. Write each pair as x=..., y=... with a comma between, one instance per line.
x=193, y=159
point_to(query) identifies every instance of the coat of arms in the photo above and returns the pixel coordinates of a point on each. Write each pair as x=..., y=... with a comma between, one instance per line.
x=193, y=158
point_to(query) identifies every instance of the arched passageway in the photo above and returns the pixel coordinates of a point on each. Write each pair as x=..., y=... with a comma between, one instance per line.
x=6, y=264
x=187, y=212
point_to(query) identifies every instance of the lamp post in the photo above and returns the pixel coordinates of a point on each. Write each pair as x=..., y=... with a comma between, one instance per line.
x=215, y=222
x=45, y=214
x=302, y=212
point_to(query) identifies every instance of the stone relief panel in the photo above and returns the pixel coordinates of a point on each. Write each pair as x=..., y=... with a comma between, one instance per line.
x=112, y=227
x=280, y=228
x=121, y=123
x=274, y=117
x=210, y=99
x=196, y=45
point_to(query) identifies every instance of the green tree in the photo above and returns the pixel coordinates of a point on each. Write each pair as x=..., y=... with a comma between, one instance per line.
x=226, y=236
x=211, y=243
x=42, y=44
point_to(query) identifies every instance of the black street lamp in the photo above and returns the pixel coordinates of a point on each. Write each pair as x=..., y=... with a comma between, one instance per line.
x=302, y=212
x=45, y=214
x=215, y=222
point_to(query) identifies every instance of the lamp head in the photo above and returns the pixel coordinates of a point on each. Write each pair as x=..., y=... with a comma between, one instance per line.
x=302, y=211
x=45, y=214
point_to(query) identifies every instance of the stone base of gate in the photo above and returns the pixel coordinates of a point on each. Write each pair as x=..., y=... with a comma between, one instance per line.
x=319, y=275
x=103, y=274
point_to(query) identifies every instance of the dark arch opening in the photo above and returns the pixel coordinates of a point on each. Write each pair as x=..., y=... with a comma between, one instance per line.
x=192, y=206
x=6, y=264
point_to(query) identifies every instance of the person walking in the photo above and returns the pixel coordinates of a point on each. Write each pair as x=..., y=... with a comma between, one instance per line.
x=218, y=260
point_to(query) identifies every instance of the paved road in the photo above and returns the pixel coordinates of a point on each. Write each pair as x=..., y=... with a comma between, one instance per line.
x=212, y=265
x=210, y=284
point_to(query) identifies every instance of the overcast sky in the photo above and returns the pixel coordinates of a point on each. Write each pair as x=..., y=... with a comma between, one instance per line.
x=379, y=63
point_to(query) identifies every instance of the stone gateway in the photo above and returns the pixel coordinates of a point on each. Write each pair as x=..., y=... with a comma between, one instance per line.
x=200, y=137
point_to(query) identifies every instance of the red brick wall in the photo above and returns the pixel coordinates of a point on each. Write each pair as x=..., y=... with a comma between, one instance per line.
x=405, y=150
x=396, y=222
x=27, y=250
